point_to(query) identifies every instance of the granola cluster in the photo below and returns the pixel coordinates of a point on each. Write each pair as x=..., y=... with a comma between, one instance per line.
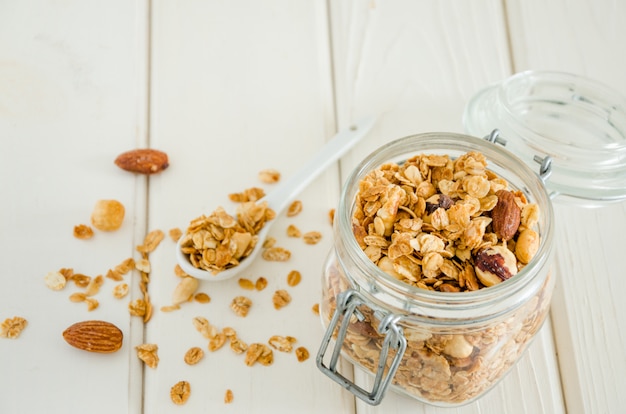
x=441, y=365
x=444, y=224
x=449, y=225
x=220, y=241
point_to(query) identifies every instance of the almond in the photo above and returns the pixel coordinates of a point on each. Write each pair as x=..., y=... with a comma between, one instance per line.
x=506, y=215
x=185, y=290
x=94, y=336
x=143, y=161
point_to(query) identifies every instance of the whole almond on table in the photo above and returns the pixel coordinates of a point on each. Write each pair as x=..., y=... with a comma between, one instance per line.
x=185, y=290
x=94, y=336
x=143, y=161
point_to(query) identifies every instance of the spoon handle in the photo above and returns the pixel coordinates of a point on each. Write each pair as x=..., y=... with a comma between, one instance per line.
x=284, y=193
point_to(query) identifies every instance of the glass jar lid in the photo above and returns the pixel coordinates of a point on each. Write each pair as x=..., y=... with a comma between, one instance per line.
x=579, y=123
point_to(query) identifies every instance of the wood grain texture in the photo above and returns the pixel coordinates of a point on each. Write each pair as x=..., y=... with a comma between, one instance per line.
x=587, y=305
x=589, y=332
x=72, y=96
x=582, y=37
x=227, y=89
x=238, y=88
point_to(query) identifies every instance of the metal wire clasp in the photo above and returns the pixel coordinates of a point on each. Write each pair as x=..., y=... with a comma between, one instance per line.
x=545, y=163
x=347, y=303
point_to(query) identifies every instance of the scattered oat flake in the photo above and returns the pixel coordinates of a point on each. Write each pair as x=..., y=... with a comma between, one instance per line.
x=246, y=284
x=80, y=280
x=67, y=273
x=143, y=265
x=331, y=216
x=178, y=271
x=316, y=309
x=151, y=241
x=217, y=341
x=170, y=308
x=260, y=353
x=179, y=393
x=83, y=232
x=78, y=297
x=55, y=280
x=94, y=285
x=202, y=297
x=148, y=314
x=260, y=283
x=193, y=355
x=138, y=307
x=282, y=343
x=269, y=176
x=229, y=332
x=203, y=326
x=293, y=231
x=228, y=397
x=294, y=208
x=249, y=194
x=126, y=266
x=276, y=254
x=148, y=353
x=302, y=354
x=269, y=242
x=120, y=291
x=92, y=304
x=281, y=299
x=12, y=327
x=241, y=306
x=293, y=278
x=114, y=275
x=312, y=237
x=175, y=234
x=237, y=345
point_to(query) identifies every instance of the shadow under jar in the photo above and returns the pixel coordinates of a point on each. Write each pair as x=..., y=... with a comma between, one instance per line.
x=445, y=348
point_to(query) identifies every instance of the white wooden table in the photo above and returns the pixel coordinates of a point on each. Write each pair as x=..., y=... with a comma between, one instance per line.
x=228, y=89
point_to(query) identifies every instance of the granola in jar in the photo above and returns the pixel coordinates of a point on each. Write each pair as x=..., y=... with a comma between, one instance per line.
x=454, y=244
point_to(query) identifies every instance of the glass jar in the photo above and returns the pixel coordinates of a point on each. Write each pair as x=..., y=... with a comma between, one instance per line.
x=578, y=122
x=443, y=348
x=449, y=348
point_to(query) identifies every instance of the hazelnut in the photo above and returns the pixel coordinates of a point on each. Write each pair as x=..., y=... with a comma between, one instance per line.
x=107, y=215
x=495, y=264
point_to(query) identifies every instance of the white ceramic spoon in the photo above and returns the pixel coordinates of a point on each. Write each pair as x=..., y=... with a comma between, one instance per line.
x=284, y=193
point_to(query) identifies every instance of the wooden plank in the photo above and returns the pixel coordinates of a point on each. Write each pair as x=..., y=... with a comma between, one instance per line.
x=72, y=96
x=587, y=307
x=239, y=87
x=579, y=43
x=588, y=330
x=417, y=64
